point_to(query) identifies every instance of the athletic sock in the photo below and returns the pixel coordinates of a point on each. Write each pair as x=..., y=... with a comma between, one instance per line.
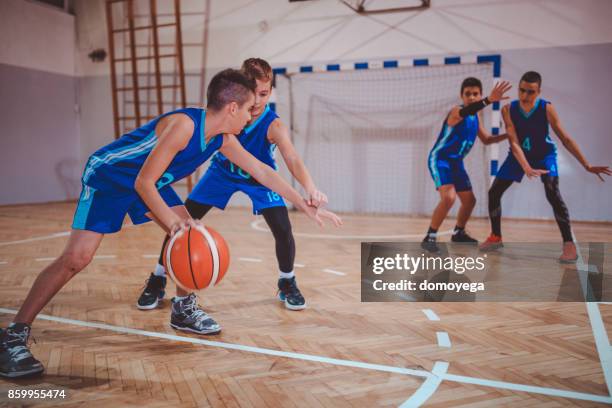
x=159, y=270
x=285, y=275
x=431, y=234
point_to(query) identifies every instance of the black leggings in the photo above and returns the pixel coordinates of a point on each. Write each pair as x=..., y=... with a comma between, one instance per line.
x=277, y=219
x=553, y=195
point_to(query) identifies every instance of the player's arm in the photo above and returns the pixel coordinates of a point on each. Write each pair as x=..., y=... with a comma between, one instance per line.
x=278, y=134
x=233, y=150
x=487, y=138
x=515, y=146
x=571, y=145
x=457, y=114
x=173, y=134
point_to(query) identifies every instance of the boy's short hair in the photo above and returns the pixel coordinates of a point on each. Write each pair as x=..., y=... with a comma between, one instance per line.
x=469, y=82
x=257, y=68
x=229, y=85
x=532, y=77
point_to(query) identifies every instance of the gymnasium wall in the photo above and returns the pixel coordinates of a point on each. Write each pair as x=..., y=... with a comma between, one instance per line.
x=569, y=41
x=39, y=141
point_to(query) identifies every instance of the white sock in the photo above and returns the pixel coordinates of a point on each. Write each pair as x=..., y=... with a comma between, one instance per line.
x=159, y=270
x=179, y=298
x=286, y=275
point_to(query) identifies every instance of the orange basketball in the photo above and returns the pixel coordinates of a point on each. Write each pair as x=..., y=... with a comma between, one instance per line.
x=196, y=258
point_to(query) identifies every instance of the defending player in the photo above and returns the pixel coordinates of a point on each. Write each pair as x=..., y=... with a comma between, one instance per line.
x=534, y=153
x=263, y=134
x=445, y=162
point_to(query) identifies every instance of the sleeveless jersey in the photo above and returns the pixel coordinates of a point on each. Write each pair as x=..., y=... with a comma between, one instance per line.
x=254, y=138
x=455, y=142
x=532, y=130
x=115, y=166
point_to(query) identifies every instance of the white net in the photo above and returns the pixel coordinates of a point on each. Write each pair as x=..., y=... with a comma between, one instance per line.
x=365, y=134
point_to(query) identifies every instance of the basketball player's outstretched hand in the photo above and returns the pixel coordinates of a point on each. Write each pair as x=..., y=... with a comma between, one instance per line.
x=599, y=170
x=316, y=198
x=336, y=220
x=497, y=94
x=311, y=212
x=531, y=173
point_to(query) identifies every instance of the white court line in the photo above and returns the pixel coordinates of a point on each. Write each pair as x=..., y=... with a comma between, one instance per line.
x=51, y=236
x=148, y=256
x=600, y=334
x=250, y=259
x=3, y=262
x=297, y=265
x=443, y=339
x=231, y=346
x=346, y=363
x=601, y=342
x=53, y=258
x=431, y=315
x=429, y=386
x=527, y=388
x=327, y=270
x=23, y=241
x=256, y=225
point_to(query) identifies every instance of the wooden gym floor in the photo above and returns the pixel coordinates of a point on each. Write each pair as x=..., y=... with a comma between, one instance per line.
x=338, y=352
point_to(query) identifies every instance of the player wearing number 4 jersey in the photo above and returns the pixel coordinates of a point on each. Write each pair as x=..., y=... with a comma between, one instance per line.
x=262, y=135
x=532, y=152
x=445, y=161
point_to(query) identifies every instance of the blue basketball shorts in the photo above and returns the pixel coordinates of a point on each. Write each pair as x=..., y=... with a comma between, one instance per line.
x=216, y=188
x=512, y=170
x=449, y=172
x=104, y=212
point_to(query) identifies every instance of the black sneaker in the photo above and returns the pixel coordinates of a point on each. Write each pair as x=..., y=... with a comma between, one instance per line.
x=152, y=293
x=462, y=237
x=16, y=360
x=429, y=244
x=289, y=293
x=187, y=316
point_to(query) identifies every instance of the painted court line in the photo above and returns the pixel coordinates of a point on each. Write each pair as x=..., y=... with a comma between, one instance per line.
x=431, y=315
x=297, y=265
x=602, y=342
x=257, y=226
x=3, y=262
x=53, y=258
x=345, y=363
x=24, y=241
x=334, y=272
x=148, y=256
x=443, y=339
x=250, y=259
x=231, y=346
x=429, y=386
x=527, y=388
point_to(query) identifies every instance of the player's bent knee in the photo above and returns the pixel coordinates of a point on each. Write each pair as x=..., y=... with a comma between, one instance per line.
x=448, y=200
x=76, y=261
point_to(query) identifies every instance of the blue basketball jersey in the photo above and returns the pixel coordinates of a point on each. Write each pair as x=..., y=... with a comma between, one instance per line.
x=115, y=166
x=532, y=130
x=455, y=142
x=254, y=138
